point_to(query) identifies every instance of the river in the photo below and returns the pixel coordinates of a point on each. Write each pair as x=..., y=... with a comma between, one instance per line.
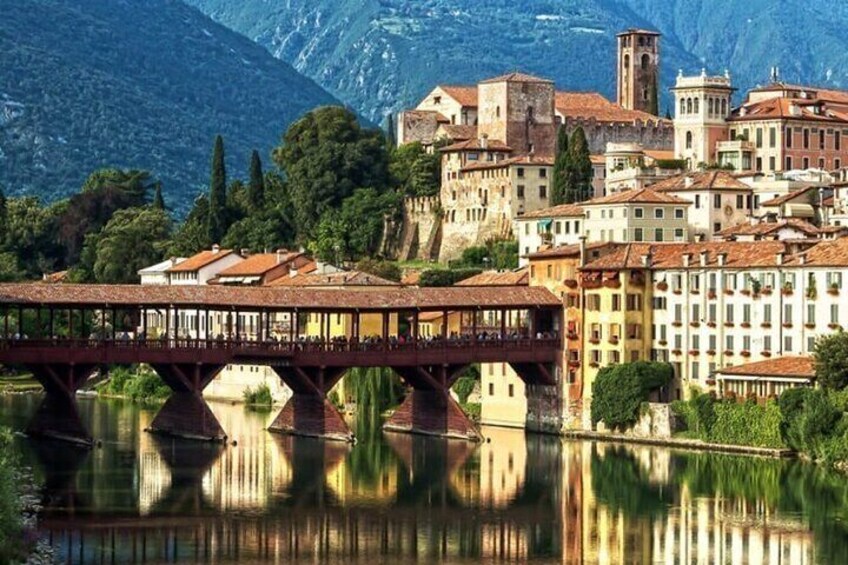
x=394, y=498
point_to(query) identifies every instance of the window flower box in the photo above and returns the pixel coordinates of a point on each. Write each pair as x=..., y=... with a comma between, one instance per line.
x=677, y=323
x=662, y=285
x=711, y=324
x=766, y=291
x=663, y=342
x=694, y=352
x=728, y=324
x=766, y=353
x=834, y=326
x=787, y=325
x=787, y=291
x=570, y=283
x=745, y=353
x=574, y=363
x=594, y=340
x=711, y=295
x=695, y=324
x=594, y=364
x=833, y=290
x=765, y=325
x=676, y=352
x=745, y=324
x=728, y=352
x=728, y=291
x=612, y=284
x=711, y=352
x=572, y=336
x=745, y=292
x=809, y=325
x=694, y=291
x=614, y=340
x=677, y=291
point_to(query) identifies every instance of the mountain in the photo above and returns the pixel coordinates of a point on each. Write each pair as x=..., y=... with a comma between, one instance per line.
x=384, y=55
x=134, y=83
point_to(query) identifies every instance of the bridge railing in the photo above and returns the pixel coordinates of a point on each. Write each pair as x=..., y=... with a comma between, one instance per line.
x=290, y=347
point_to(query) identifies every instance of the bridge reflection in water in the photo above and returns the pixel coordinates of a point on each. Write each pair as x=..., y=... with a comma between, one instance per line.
x=401, y=498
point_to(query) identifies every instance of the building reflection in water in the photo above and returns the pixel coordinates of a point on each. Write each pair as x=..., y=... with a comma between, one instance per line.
x=402, y=498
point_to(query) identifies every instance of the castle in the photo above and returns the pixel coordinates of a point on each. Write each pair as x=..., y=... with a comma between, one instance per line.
x=498, y=141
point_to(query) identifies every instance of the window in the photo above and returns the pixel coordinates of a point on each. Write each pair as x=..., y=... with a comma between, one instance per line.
x=767, y=313
x=767, y=343
x=787, y=344
x=543, y=173
x=712, y=342
x=511, y=390
x=805, y=163
x=728, y=342
x=759, y=137
x=678, y=312
x=520, y=172
x=678, y=213
x=695, y=367
x=788, y=166
x=638, y=213
x=543, y=192
x=697, y=201
x=821, y=139
x=491, y=389
x=637, y=234
x=717, y=201
x=593, y=302
x=728, y=313
x=616, y=303
x=696, y=313
x=759, y=164
x=837, y=140
x=716, y=227
x=746, y=313
x=740, y=201
x=658, y=234
x=659, y=213
x=678, y=234
x=746, y=343
x=834, y=280
x=787, y=313
x=634, y=302
x=834, y=313
x=772, y=137
x=772, y=163
x=520, y=191
x=811, y=314
x=437, y=100
x=806, y=138
x=788, y=137
x=688, y=140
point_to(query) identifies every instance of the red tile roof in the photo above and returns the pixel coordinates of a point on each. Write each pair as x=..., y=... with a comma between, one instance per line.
x=788, y=366
x=516, y=77
x=739, y=254
x=641, y=196
x=460, y=132
x=827, y=253
x=340, y=279
x=781, y=108
x=464, y=95
x=766, y=228
x=65, y=295
x=518, y=277
x=474, y=145
x=593, y=250
x=787, y=197
x=592, y=105
x=200, y=260
x=561, y=211
x=827, y=94
x=512, y=161
x=708, y=180
x=259, y=264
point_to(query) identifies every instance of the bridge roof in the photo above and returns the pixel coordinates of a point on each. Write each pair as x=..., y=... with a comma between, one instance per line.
x=95, y=296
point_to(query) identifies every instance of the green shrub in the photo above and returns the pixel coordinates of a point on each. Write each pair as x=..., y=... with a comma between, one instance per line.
x=472, y=409
x=259, y=396
x=463, y=388
x=620, y=390
x=747, y=423
x=140, y=384
x=10, y=507
x=445, y=277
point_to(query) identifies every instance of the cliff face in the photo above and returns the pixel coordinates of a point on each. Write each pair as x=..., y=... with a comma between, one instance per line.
x=383, y=55
x=145, y=84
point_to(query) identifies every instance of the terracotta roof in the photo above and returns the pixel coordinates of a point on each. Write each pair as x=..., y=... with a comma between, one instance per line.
x=276, y=297
x=592, y=105
x=780, y=108
x=259, y=264
x=561, y=211
x=739, y=254
x=640, y=31
x=659, y=154
x=518, y=277
x=766, y=228
x=200, y=260
x=516, y=77
x=460, y=132
x=474, y=145
x=439, y=117
x=786, y=197
x=598, y=159
x=827, y=94
x=53, y=278
x=641, y=196
x=827, y=253
x=707, y=180
x=343, y=278
x=512, y=161
x=828, y=201
x=465, y=95
x=573, y=250
x=787, y=366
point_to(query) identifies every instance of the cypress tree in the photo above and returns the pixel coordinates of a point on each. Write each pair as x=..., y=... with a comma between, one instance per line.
x=256, y=189
x=653, y=102
x=2, y=215
x=579, y=178
x=391, y=141
x=158, y=199
x=217, y=194
x=558, y=193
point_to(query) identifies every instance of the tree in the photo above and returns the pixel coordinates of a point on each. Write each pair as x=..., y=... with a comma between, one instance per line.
x=136, y=183
x=2, y=215
x=258, y=232
x=31, y=235
x=216, y=220
x=414, y=171
x=653, y=102
x=830, y=356
x=133, y=239
x=9, y=269
x=619, y=391
x=158, y=199
x=256, y=191
x=561, y=167
x=579, y=177
x=193, y=233
x=383, y=269
x=391, y=140
x=326, y=155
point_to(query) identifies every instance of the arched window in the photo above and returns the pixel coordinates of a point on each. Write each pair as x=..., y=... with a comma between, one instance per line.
x=688, y=105
x=688, y=140
x=710, y=105
x=695, y=106
x=646, y=60
x=723, y=107
x=626, y=62
x=682, y=106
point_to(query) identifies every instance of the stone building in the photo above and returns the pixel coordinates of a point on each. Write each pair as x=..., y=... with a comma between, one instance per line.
x=638, y=69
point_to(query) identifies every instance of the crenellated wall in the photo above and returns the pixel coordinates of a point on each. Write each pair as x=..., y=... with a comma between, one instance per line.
x=650, y=135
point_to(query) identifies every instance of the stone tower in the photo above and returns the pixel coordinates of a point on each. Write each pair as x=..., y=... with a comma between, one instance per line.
x=638, y=70
x=702, y=105
x=518, y=109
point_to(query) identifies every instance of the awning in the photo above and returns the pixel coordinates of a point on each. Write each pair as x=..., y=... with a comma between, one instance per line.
x=799, y=211
x=545, y=224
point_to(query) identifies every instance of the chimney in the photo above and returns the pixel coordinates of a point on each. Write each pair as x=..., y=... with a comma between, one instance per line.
x=281, y=255
x=646, y=259
x=582, y=244
x=802, y=259
x=216, y=248
x=722, y=258
x=705, y=255
x=687, y=181
x=484, y=141
x=778, y=258
x=699, y=237
x=687, y=258
x=244, y=252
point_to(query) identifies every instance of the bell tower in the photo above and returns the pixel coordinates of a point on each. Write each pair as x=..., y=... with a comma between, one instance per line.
x=638, y=70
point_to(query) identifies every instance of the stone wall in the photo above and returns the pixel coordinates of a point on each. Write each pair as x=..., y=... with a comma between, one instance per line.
x=650, y=135
x=544, y=406
x=417, y=237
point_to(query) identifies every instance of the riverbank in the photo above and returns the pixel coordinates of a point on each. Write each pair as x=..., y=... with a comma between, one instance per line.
x=682, y=443
x=19, y=384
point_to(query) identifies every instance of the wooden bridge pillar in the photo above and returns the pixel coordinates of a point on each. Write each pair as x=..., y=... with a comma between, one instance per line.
x=429, y=408
x=185, y=414
x=308, y=412
x=57, y=417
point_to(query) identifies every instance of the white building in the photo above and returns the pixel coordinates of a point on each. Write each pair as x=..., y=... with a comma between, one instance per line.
x=637, y=215
x=555, y=226
x=158, y=273
x=199, y=269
